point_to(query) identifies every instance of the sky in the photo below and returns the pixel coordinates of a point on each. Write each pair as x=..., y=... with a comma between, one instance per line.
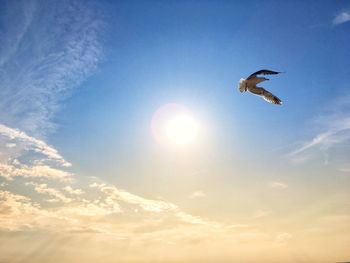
x=124, y=137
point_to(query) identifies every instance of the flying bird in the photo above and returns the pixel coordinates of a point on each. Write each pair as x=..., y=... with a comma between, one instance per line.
x=250, y=83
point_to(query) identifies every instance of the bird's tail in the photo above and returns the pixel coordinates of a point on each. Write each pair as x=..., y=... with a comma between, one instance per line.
x=242, y=85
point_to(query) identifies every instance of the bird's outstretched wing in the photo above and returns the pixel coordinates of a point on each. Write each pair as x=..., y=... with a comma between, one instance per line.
x=269, y=97
x=263, y=72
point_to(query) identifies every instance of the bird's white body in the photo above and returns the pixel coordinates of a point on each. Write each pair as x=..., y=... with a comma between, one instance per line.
x=242, y=85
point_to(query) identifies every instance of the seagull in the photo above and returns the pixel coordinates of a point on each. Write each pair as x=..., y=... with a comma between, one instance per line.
x=250, y=85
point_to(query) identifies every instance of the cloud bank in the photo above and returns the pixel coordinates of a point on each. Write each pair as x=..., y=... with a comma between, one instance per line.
x=52, y=199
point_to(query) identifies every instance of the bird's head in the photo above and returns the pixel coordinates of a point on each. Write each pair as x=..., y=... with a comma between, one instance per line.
x=242, y=85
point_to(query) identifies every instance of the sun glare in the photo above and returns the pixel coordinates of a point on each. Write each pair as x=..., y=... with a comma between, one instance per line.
x=174, y=125
x=181, y=130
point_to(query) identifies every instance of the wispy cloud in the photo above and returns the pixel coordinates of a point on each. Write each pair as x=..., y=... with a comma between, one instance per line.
x=14, y=169
x=334, y=131
x=197, y=194
x=345, y=168
x=21, y=208
x=156, y=206
x=29, y=157
x=337, y=131
x=341, y=18
x=44, y=189
x=15, y=137
x=72, y=191
x=278, y=185
x=283, y=237
x=147, y=205
x=50, y=48
x=261, y=213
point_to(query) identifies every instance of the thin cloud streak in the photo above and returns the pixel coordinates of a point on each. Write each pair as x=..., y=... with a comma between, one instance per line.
x=334, y=131
x=334, y=135
x=341, y=18
x=278, y=185
x=197, y=194
x=283, y=237
x=56, y=195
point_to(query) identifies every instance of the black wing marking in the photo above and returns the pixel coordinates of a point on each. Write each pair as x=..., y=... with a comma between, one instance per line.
x=263, y=72
x=269, y=97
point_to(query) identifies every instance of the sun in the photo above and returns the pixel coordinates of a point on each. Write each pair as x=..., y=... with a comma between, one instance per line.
x=181, y=129
x=174, y=125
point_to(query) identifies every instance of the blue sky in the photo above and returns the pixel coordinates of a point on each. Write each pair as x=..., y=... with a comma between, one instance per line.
x=80, y=82
x=194, y=54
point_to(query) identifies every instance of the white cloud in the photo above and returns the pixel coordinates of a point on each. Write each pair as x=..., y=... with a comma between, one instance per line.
x=319, y=139
x=261, y=213
x=74, y=203
x=101, y=208
x=29, y=157
x=145, y=204
x=44, y=189
x=283, y=237
x=89, y=208
x=72, y=191
x=83, y=212
x=10, y=171
x=31, y=143
x=17, y=211
x=197, y=194
x=344, y=168
x=341, y=18
x=234, y=226
x=192, y=219
x=278, y=185
x=112, y=213
x=10, y=145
